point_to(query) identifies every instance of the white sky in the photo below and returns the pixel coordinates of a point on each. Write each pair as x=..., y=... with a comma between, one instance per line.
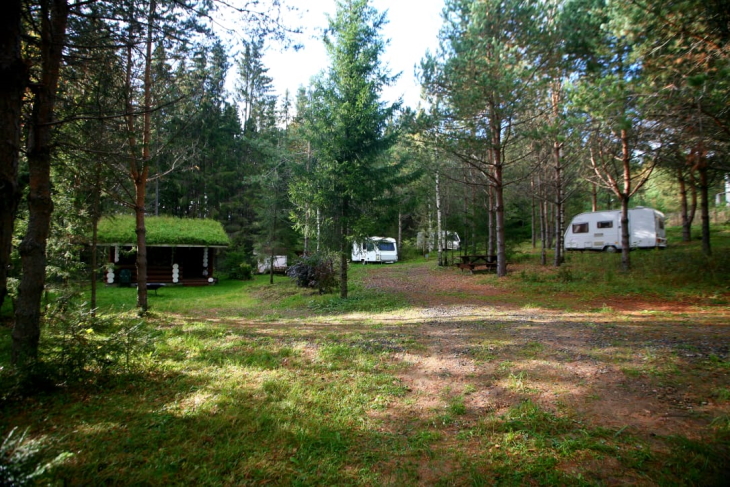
x=412, y=29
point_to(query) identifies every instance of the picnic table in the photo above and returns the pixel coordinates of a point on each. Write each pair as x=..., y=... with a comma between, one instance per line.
x=477, y=263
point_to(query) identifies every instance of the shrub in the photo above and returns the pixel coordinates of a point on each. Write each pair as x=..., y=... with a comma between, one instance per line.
x=245, y=272
x=315, y=271
x=81, y=347
x=409, y=250
x=236, y=265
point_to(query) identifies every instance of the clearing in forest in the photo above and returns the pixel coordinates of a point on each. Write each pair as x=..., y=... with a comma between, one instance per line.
x=427, y=376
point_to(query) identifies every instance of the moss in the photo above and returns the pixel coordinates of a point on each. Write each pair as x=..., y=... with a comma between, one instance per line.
x=162, y=230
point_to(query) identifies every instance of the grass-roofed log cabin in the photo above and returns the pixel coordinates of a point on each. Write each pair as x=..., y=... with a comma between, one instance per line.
x=179, y=250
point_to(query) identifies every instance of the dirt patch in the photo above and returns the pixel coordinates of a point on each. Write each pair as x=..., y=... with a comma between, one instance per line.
x=650, y=367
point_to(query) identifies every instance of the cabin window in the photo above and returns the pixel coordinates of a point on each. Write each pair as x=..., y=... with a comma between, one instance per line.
x=580, y=227
x=605, y=224
x=660, y=223
x=370, y=246
x=386, y=246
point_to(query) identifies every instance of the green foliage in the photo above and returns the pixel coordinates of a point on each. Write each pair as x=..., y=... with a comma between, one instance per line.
x=236, y=265
x=316, y=271
x=348, y=126
x=245, y=272
x=80, y=346
x=20, y=460
x=162, y=230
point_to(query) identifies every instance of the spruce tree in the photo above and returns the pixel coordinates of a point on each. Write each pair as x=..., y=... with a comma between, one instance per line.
x=351, y=122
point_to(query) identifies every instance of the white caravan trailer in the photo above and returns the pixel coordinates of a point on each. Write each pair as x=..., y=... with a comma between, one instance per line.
x=375, y=249
x=601, y=230
x=280, y=264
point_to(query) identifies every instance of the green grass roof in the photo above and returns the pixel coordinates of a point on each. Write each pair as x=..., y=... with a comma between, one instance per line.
x=163, y=230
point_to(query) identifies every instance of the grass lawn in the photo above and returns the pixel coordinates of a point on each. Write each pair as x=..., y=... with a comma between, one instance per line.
x=247, y=383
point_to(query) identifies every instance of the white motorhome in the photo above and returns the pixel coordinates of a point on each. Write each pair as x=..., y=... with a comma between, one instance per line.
x=450, y=240
x=601, y=230
x=375, y=249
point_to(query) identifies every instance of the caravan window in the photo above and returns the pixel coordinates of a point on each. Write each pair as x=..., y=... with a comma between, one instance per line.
x=580, y=227
x=604, y=224
x=660, y=223
x=370, y=246
x=386, y=246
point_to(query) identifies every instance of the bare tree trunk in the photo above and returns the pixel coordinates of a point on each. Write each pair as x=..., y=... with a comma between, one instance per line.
x=558, y=205
x=474, y=205
x=26, y=331
x=272, y=249
x=693, y=198
x=496, y=149
x=430, y=229
x=594, y=197
x=343, y=248
x=96, y=215
x=400, y=233
x=14, y=80
x=438, y=221
x=684, y=207
x=491, y=231
x=319, y=228
x=543, y=231
x=705, y=208
x=624, y=196
x=139, y=168
x=549, y=222
x=466, y=215
x=533, y=213
x=557, y=147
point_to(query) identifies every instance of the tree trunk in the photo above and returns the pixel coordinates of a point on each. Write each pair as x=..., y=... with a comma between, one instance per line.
x=684, y=207
x=625, y=241
x=533, y=212
x=140, y=169
x=400, y=233
x=594, y=197
x=491, y=230
x=473, y=219
x=307, y=211
x=543, y=232
x=26, y=331
x=343, y=247
x=496, y=150
x=429, y=239
x=558, y=206
x=549, y=222
x=95, y=216
x=141, y=232
x=705, y=208
x=272, y=249
x=693, y=199
x=13, y=82
x=439, y=239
